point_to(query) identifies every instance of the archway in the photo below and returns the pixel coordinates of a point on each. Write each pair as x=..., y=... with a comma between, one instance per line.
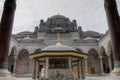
x=106, y=68
x=93, y=62
x=11, y=60
x=22, y=66
x=110, y=54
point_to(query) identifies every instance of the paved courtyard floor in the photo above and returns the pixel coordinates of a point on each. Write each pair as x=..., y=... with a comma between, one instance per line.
x=87, y=78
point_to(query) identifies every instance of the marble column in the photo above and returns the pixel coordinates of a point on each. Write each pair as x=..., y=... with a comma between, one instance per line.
x=110, y=63
x=6, y=25
x=46, y=68
x=15, y=63
x=101, y=64
x=38, y=69
x=78, y=68
x=113, y=20
x=86, y=66
x=82, y=69
x=70, y=67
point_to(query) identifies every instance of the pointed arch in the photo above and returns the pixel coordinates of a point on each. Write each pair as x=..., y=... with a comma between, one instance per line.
x=22, y=66
x=109, y=47
x=106, y=68
x=93, y=62
x=11, y=60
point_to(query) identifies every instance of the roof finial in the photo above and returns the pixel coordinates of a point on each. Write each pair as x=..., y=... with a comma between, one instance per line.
x=59, y=40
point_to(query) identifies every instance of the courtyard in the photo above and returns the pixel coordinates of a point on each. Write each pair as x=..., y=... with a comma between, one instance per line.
x=87, y=78
x=58, y=47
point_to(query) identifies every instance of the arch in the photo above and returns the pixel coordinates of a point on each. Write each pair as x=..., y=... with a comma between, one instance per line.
x=93, y=62
x=102, y=50
x=22, y=66
x=106, y=68
x=78, y=49
x=37, y=50
x=11, y=60
x=109, y=47
x=13, y=50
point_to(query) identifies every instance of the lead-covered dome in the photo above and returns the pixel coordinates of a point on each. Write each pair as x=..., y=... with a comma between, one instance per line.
x=58, y=17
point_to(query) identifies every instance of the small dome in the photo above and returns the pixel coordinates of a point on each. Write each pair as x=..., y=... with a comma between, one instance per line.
x=92, y=34
x=27, y=38
x=58, y=17
x=24, y=33
x=58, y=48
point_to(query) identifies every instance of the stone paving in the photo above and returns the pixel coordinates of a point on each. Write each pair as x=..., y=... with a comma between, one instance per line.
x=87, y=78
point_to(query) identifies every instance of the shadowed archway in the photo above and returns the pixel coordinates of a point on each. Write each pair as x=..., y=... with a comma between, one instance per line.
x=11, y=60
x=93, y=62
x=106, y=68
x=22, y=66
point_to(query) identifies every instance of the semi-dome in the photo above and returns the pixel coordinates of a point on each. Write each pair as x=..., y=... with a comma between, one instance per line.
x=58, y=17
x=58, y=48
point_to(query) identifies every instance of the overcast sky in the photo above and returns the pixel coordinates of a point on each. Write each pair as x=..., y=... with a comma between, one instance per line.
x=90, y=14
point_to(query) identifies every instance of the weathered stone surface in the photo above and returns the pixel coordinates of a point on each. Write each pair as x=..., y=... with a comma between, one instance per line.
x=4, y=73
x=7, y=78
x=112, y=78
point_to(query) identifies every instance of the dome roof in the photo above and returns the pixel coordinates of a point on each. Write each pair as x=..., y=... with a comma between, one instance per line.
x=24, y=32
x=58, y=17
x=92, y=34
x=58, y=48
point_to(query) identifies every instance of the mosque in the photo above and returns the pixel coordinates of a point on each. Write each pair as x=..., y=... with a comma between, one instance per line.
x=58, y=47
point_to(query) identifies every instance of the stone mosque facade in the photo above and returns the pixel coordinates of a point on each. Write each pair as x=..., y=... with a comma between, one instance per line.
x=96, y=45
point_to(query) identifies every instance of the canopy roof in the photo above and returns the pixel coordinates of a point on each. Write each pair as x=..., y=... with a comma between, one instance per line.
x=58, y=50
x=58, y=54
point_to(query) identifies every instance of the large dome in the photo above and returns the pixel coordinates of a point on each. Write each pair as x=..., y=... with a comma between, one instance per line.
x=58, y=48
x=58, y=17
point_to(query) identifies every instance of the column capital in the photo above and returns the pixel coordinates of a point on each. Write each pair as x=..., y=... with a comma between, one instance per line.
x=86, y=58
x=100, y=57
x=108, y=53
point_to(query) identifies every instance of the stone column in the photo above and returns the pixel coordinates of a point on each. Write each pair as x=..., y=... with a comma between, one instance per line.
x=113, y=20
x=46, y=68
x=6, y=25
x=70, y=67
x=38, y=69
x=78, y=68
x=101, y=64
x=86, y=66
x=82, y=69
x=15, y=63
x=110, y=63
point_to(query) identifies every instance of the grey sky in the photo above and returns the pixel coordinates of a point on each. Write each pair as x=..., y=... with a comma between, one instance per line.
x=90, y=14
